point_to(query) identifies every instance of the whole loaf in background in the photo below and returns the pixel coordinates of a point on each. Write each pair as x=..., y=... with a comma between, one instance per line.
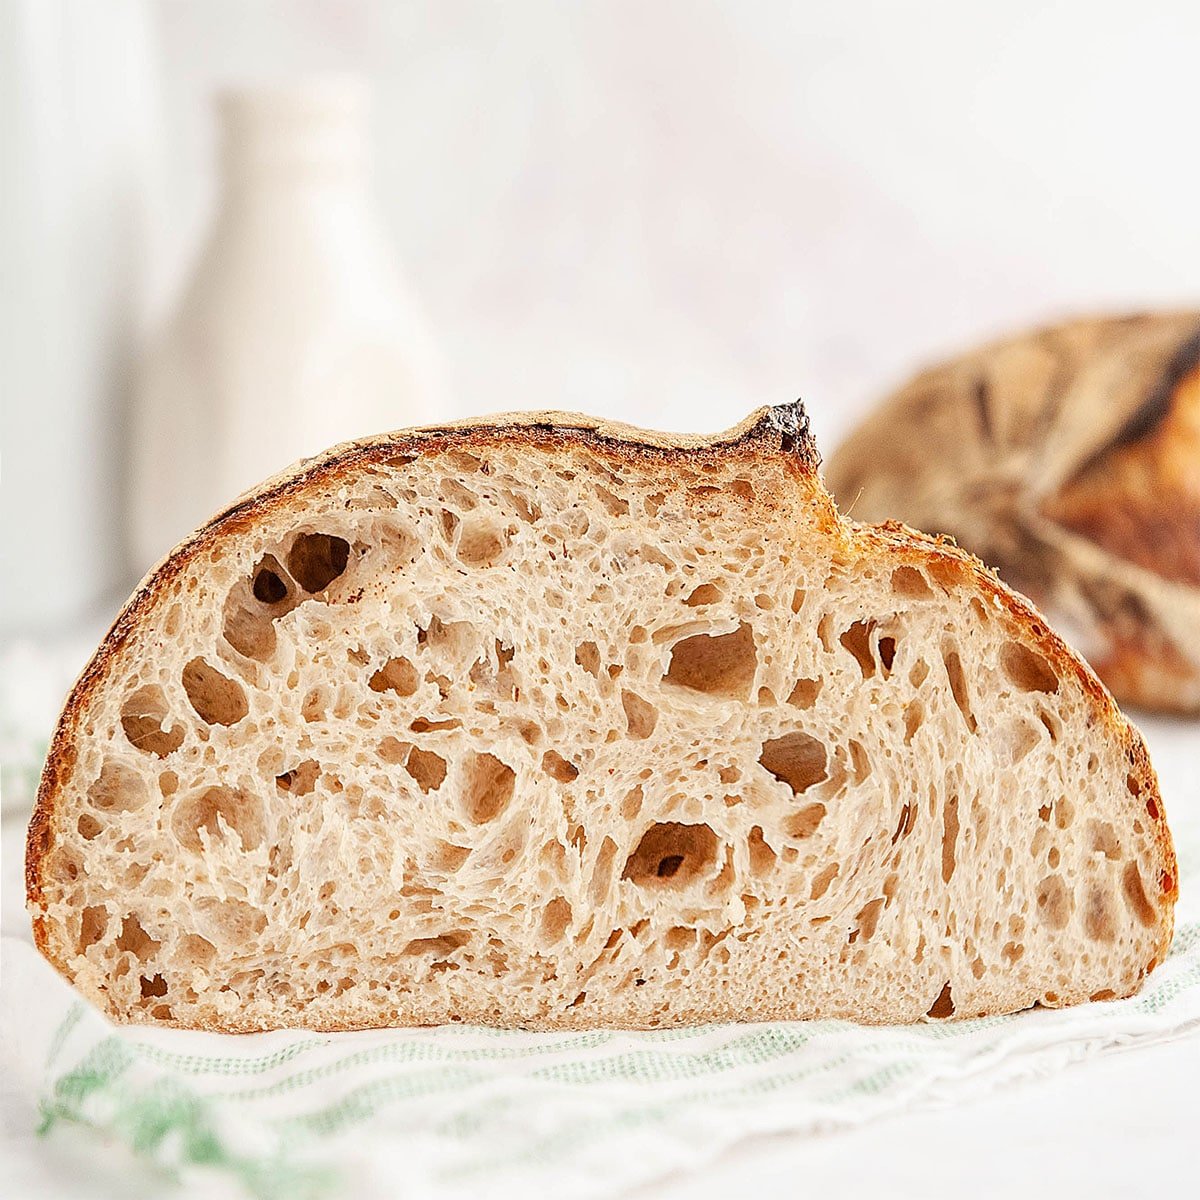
x=1068, y=458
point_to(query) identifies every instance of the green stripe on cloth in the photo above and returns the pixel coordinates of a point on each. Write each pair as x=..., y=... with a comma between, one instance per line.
x=464, y=1105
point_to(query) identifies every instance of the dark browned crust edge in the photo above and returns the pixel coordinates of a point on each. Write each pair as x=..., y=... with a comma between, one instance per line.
x=1157, y=405
x=780, y=430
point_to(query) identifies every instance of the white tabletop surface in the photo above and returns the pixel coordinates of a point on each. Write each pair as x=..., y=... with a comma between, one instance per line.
x=1114, y=1126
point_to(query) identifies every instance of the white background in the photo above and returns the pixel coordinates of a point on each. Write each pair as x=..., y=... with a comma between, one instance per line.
x=677, y=210
x=668, y=212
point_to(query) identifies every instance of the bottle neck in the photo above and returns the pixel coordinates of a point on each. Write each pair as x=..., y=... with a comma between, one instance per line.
x=283, y=144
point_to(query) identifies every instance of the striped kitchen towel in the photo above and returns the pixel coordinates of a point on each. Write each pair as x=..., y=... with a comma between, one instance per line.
x=476, y=1112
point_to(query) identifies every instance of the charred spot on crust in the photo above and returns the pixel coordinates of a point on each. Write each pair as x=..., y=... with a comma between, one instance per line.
x=790, y=422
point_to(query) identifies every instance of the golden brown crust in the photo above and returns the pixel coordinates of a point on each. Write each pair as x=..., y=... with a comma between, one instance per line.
x=1140, y=499
x=781, y=431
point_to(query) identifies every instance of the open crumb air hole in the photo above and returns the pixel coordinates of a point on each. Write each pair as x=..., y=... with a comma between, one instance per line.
x=487, y=787
x=440, y=946
x=449, y=856
x=1135, y=895
x=706, y=593
x=301, y=779
x=481, y=544
x=317, y=559
x=1026, y=669
x=866, y=920
x=857, y=639
x=396, y=675
x=804, y=693
x=949, y=837
x=253, y=606
x=796, y=759
x=556, y=916
x=587, y=655
x=558, y=767
x=911, y=584
x=958, y=687
x=672, y=855
x=803, y=823
x=943, y=1006
x=213, y=808
x=144, y=720
x=93, y=923
x=135, y=940
x=602, y=872
x=887, y=653
x=762, y=857
x=914, y=718
x=217, y=699
x=640, y=715
x=822, y=880
x=427, y=769
x=268, y=586
x=717, y=664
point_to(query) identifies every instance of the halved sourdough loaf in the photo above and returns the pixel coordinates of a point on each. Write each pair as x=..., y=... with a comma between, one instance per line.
x=552, y=723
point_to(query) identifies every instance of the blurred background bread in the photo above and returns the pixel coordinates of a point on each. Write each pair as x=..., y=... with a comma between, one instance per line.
x=1069, y=459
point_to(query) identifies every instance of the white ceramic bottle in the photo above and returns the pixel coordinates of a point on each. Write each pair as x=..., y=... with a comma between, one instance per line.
x=294, y=330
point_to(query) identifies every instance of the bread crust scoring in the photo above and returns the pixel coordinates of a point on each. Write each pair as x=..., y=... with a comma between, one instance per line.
x=1069, y=457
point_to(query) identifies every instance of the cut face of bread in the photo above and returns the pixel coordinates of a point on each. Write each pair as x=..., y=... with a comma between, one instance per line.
x=547, y=723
